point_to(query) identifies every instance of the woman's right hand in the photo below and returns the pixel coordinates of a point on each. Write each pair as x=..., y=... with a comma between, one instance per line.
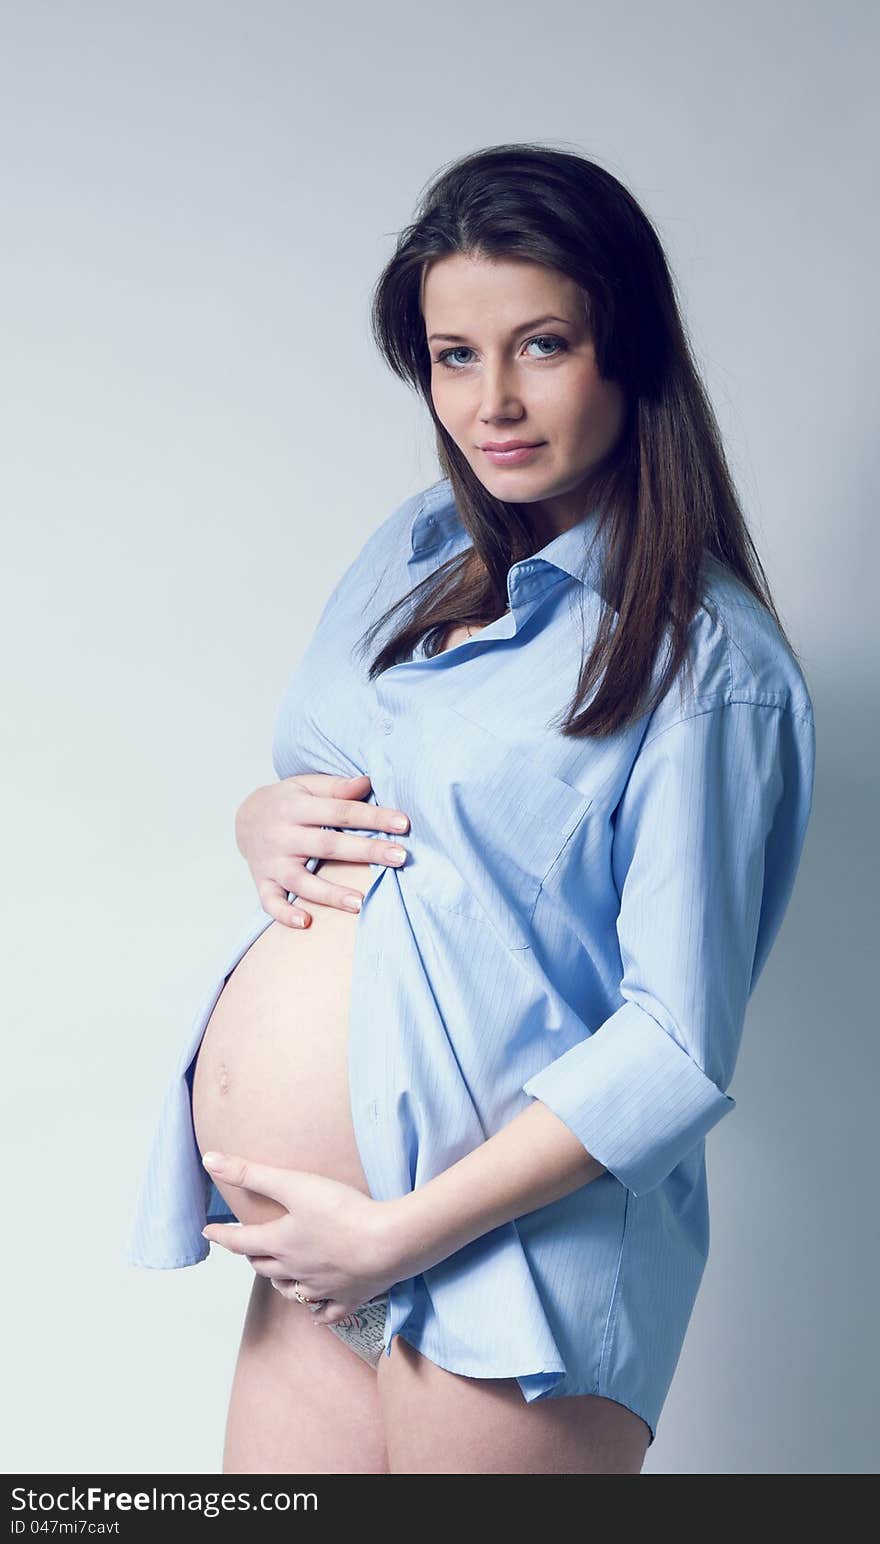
x=278, y=827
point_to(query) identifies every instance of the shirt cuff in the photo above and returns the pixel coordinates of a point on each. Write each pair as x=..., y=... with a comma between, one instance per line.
x=632, y=1096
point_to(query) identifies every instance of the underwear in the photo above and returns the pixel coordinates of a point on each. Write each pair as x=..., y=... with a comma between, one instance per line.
x=364, y=1330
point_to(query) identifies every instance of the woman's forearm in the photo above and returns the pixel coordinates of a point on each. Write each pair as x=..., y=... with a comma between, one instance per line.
x=533, y=1160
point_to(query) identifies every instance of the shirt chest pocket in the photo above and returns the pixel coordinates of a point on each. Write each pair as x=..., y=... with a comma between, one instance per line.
x=489, y=822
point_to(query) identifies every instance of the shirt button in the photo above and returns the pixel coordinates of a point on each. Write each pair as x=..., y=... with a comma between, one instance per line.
x=386, y=725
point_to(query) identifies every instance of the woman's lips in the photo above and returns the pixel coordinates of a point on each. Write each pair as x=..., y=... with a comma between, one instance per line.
x=512, y=457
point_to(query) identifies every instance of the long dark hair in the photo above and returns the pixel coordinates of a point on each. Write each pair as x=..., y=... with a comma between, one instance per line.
x=665, y=491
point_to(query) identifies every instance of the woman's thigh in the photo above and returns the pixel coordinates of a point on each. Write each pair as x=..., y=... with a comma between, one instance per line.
x=302, y=1402
x=438, y=1422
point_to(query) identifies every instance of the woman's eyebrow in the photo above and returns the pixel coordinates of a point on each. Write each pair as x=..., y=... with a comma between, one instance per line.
x=454, y=337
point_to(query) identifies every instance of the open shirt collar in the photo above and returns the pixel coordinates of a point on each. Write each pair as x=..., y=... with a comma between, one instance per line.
x=578, y=552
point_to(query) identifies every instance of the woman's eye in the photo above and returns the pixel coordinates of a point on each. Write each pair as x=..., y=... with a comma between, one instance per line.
x=559, y=346
x=547, y=338
x=444, y=358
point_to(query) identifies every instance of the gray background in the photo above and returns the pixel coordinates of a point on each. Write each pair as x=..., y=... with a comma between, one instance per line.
x=197, y=199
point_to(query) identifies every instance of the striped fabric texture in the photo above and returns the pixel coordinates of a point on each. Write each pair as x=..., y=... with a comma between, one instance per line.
x=578, y=921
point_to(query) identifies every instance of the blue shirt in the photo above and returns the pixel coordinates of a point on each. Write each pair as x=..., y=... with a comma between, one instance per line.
x=578, y=921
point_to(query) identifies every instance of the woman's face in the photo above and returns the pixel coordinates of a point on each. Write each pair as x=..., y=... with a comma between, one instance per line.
x=512, y=359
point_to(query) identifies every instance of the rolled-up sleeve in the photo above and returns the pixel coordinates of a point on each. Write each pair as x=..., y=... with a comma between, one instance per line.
x=707, y=840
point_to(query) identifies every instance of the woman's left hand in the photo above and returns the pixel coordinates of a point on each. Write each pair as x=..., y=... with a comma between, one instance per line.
x=332, y=1242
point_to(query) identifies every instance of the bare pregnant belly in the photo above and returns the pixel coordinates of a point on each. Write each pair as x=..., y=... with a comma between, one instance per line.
x=271, y=1076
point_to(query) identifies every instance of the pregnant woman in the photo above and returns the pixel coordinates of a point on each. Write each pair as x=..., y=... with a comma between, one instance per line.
x=459, y=1094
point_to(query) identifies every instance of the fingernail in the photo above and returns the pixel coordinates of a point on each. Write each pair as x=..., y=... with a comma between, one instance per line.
x=397, y=854
x=353, y=902
x=212, y=1160
x=399, y=823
